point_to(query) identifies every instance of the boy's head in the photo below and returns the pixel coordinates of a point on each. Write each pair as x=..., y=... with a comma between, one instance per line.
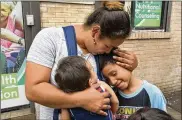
x=114, y=74
x=74, y=73
x=150, y=114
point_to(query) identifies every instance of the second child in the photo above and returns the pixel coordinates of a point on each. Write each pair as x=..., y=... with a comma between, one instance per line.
x=132, y=93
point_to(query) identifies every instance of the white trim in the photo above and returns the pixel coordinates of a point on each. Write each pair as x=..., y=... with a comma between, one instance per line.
x=89, y=2
x=71, y=112
x=160, y=30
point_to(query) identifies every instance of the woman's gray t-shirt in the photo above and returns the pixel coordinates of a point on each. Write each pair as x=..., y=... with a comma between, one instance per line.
x=48, y=47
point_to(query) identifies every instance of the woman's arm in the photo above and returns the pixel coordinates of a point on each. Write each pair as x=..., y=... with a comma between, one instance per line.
x=114, y=99
x=38, y=89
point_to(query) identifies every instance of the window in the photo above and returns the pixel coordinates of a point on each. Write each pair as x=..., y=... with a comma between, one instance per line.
x=149, y=15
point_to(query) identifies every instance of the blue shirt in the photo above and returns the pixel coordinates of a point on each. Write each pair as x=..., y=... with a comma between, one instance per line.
x=82, y=114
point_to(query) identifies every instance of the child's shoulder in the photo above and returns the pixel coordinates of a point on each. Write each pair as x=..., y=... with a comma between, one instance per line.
x=151, y=88
x=156, y=96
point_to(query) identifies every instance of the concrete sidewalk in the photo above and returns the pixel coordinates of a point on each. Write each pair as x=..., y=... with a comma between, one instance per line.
x=174, y=104
x=174, y=100
x=175, y=114
x=25, y=114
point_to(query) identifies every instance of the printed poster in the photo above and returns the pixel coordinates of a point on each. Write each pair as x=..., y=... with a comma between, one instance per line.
x=12, y=56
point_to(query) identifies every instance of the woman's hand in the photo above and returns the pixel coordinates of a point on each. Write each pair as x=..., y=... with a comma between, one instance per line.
x=94, y=101
x=126, y=59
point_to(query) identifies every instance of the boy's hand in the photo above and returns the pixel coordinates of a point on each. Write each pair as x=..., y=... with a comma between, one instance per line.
x=113, y=117
x=94, y=101
x=126, y=59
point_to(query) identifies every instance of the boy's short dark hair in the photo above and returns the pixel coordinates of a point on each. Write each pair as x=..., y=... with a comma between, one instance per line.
x=150, y=114
x=72, y=74
x=105, y=59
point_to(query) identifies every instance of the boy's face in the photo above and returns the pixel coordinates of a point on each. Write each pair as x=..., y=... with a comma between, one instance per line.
x=93, y=77
x=117, y=76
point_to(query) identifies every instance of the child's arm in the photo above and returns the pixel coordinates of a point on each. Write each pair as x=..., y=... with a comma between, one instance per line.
x=65, y=115
x=114, y=99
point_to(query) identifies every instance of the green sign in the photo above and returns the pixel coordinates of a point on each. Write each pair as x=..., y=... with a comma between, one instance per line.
x=9, y=86
x=9, y=93
x=147, y=13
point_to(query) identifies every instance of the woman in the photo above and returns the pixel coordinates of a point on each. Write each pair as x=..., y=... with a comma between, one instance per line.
x=105, y=28
x=11, y=23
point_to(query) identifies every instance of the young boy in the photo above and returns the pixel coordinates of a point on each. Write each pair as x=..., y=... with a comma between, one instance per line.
x=74, y=74
x=132, y=93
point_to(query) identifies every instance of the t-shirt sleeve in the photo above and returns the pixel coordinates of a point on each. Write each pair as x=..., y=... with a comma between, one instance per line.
x=157, y=98
x=43, y=48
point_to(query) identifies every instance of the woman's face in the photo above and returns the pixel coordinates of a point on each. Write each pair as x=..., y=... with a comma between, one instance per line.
x=5, y=11
x=101, y=45
x=117, y=76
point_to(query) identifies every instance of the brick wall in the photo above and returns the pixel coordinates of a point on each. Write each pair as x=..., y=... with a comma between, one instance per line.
x=159, y=54
x=61, y=14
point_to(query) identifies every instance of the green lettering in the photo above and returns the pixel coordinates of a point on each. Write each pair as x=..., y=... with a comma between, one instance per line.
x=9, y=93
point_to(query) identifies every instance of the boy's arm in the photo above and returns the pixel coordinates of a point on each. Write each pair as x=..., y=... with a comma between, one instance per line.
x=114, y=99
x=65, y=115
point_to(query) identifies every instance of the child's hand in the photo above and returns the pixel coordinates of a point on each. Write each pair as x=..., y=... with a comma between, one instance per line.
x=126, y=59
x=113, y=117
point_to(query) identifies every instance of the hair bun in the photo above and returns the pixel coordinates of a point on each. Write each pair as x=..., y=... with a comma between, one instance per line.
x=113, y=5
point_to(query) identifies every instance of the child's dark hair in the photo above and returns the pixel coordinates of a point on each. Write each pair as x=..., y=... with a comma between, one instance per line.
x=105, y=59
x=113, y=20
x=72, y=74
x=150, y=114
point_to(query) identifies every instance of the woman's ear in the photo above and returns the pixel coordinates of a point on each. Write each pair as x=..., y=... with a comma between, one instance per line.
x=95, y=31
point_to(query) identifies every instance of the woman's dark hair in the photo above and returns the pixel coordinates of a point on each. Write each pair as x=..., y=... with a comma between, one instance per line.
x=150, y=114
x=72, y=74
x=113, y=20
